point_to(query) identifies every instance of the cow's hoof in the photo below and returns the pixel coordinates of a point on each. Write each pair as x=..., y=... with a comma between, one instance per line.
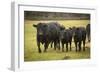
x=62, y=50
x=58, y=48
x=45, y=51
x=66, y=50
x=39, y=51
x=79, y=50
x=54, y=48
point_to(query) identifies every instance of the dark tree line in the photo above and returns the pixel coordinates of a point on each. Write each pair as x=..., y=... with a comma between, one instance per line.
x=34, y=15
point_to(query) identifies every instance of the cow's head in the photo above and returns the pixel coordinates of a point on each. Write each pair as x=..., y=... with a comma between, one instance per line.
x=41, y=28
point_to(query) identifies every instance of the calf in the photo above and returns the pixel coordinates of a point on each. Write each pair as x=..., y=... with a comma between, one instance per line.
x=65, y=38
x=79, y=37
x=61, y=27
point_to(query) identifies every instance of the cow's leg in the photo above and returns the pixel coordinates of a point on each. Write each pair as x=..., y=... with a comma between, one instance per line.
x=67, y=47
x=88, y=37
x=55, y=44
x=70, y=46
x=59, y=44
x=51, y=44
x=62, y=47
x=83, y=45
x=79, y=45
x=76, y=46
x=45, y=47
x=38, y=44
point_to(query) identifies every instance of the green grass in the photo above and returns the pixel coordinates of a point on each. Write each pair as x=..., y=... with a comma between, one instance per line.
x=31, y=49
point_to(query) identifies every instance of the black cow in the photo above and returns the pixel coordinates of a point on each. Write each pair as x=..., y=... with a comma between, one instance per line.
x=79, y=37
x=88, y=32
x=58, y=43
x=66, y=38
x=47, y=33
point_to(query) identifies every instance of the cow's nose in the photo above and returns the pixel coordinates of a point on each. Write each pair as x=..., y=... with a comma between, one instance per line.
x=40, y=33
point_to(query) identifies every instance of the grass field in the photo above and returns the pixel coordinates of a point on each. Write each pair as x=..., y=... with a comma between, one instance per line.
x=31, y=49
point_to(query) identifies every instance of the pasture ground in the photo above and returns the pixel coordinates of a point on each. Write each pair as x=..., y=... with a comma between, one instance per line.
x=30, y=45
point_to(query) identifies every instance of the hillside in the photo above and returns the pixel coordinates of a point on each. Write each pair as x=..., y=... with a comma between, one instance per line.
x=34, y=15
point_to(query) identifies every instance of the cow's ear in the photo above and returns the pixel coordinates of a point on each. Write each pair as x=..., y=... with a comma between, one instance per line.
x=62, y=28
x=34, y=25
x=70, y=28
